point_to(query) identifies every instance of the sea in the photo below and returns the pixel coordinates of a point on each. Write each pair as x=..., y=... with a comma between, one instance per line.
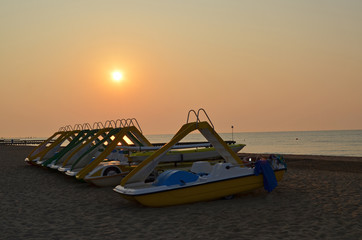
x=329, y=143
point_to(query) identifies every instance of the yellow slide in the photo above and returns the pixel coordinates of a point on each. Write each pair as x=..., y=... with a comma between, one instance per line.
x=145, y=168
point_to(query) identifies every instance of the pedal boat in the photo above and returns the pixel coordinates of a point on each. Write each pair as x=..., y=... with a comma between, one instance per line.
x=111, y=172
x=51, y=146
x=203, y=182
x=85, y=153
x=68, y=150
x=103, y=149
x=113, y=148
x=185, y=152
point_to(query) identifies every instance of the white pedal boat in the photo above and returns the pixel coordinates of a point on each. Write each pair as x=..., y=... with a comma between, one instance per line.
x=110, y=173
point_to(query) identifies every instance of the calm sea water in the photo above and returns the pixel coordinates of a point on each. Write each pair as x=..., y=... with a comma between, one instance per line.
x=331, y=143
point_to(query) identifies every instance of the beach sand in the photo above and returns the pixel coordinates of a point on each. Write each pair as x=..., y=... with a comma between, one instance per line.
x=317, y=199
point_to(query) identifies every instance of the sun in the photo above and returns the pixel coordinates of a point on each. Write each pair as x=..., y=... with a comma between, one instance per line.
x=117, y=76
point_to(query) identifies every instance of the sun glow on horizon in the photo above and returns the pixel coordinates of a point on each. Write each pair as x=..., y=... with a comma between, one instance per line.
x=117, y=76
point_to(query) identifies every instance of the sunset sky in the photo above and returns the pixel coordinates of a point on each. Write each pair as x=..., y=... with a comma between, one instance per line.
x=255, y=65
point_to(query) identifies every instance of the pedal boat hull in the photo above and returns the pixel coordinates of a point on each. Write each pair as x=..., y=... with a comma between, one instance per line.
x=162, y=196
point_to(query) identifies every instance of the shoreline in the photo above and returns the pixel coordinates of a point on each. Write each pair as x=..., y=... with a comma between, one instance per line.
x=318, y=162
x=296, y=157
x=289, y=157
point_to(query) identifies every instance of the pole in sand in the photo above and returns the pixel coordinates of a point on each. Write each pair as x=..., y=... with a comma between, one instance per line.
x=232, y=133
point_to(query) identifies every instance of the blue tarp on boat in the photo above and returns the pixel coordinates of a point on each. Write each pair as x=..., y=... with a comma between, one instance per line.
x=175, y=177
x=269, y=179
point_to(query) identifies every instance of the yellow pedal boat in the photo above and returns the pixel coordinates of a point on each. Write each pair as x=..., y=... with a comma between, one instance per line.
x=204, y=181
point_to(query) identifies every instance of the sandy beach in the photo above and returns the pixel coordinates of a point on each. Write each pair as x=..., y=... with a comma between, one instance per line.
x=319, y=198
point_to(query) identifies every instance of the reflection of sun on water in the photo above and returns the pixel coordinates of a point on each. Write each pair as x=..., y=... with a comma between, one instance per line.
x=117, y=76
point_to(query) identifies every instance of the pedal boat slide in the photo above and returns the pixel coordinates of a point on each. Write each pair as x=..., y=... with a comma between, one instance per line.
x=204, y=181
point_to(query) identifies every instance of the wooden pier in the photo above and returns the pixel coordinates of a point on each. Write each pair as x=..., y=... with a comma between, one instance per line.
x=21, y=142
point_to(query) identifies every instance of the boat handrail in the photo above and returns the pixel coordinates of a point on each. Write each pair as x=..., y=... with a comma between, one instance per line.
x=98, y=125
x=128, y=123
x=86, y=126
x=78, y=127
x=138, y=126
x=61, y=129
x=119, y=123
x=197, y=115
x=114, y=124
x=110, y=124
x=68, y=128
x=122, y=122
x=203, y=110
x=188, y=115
x=107, y=123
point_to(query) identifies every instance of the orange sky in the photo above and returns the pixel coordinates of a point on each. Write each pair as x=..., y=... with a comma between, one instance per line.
x=256, y=65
